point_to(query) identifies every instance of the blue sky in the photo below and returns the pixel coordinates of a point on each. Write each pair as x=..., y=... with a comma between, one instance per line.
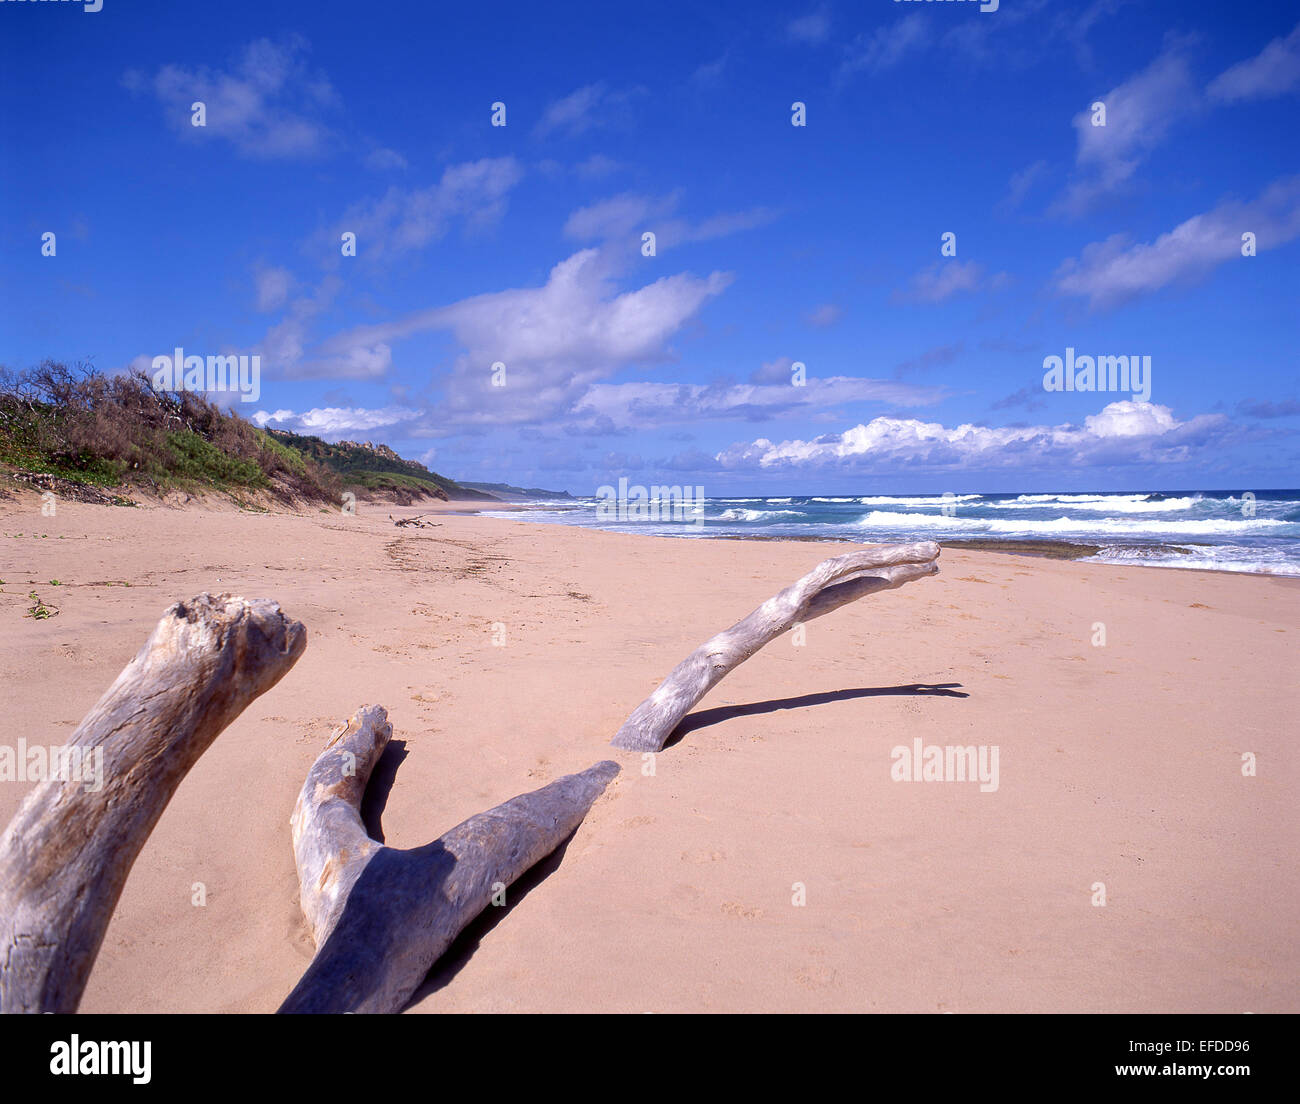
x=774, y=244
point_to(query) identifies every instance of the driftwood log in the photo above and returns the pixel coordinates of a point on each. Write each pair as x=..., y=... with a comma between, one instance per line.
x=66, y=854
x=381, y=917
x=831, y=584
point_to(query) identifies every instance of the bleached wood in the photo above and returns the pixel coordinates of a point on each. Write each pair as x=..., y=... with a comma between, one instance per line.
x=66, y=854
x=381, y=917
x=831, y=584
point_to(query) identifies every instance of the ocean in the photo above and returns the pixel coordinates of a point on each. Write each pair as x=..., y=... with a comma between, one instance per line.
x=1256, y=532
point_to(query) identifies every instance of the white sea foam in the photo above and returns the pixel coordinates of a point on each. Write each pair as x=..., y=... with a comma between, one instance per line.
x=880, y=519
x=1222, y=557
x=754, y=515
x=1117, y=504
x=916, y=500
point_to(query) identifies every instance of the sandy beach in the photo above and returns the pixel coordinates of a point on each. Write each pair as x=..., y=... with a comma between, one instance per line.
x=1119, y=764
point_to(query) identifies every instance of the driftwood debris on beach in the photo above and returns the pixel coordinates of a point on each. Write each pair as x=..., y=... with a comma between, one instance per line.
x=831, y=584
x=380, y=917
x=66, y=854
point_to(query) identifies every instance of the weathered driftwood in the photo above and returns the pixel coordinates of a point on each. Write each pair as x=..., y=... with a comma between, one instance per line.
x=831, y=584
x=66, y=854
x=381, y=917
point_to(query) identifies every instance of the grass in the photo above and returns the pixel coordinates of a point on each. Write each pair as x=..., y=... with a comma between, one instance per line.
x=194, y=459
x=115, y=432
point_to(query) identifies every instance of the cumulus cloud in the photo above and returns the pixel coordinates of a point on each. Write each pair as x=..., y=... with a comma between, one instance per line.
x=555, y=340
x=1274, y=71
x=1114, y=270
x=268, y=104
x=333, y=423
x=1121, y=433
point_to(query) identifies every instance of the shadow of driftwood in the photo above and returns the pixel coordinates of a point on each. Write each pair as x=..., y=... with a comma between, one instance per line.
x=706, y=717
x=456, y=957
x=380, y=786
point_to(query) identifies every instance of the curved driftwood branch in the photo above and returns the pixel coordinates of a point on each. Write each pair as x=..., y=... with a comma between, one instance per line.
x=381, y=917
x=66, y=854
x=831, y=584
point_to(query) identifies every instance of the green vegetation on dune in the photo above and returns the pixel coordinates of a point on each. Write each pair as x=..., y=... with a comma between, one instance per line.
x=193, y=458
x=112, y=431
x=375, y=467
x=77, y=425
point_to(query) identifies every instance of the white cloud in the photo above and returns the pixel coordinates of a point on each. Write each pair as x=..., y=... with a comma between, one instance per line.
x=643, y=405
x=406, y=219
x=1275, y=70
x=617, y=216
x=825, y=315
x=813, y=28
x=273, y=287
x=947, y=278
x=384, y=159
x=1139, y=113
x=887, y=46
x=597, y=166
x=334, y=422
x=555, y=340
x=268, y=104
x=1112, y=271
x=1123, y=432
x=588, y=108
x=628, y=215
x=710, y=73
x=1020, y=184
